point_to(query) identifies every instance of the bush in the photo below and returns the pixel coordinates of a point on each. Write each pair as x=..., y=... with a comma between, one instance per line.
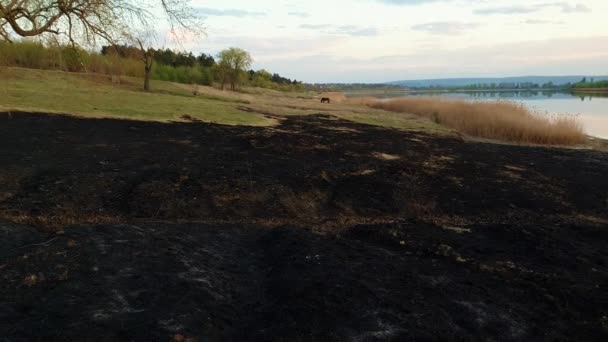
x=73, y=59
x=26, y=54
x=206, y=76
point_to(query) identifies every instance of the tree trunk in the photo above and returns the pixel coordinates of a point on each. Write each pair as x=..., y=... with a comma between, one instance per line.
x=147, y=78
x=147, y=56
x=149, y=59
x=233, y=80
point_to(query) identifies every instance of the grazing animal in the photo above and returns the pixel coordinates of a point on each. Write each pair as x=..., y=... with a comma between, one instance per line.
x=325, y=99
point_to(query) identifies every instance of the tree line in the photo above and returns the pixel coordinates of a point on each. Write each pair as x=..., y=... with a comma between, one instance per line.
x=228, y=69
x=591, y=83
x=584, y=83
x=162, y=56
x=505, y=86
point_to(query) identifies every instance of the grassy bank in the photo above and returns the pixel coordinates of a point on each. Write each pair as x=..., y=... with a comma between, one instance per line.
x=502, y=120
x=95, y=95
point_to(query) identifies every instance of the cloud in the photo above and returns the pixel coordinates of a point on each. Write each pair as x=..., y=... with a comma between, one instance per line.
x=227, y=12
x=352, y=30
x=542, y=22
x=565, y=7
x=410, y=2
x=507, y=10
x=314, y=27
x=299, y=14
x=347, y=30
x=544, y=57
x=272, y=48
x=445, y=27
x=568, y=8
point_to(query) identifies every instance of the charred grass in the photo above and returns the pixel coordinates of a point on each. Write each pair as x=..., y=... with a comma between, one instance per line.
x=318, y=229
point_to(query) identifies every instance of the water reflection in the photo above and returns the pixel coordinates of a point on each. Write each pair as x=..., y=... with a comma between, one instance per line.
x=511, y=94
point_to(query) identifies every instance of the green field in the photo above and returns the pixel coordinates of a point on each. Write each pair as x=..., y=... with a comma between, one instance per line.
x=93, y=95
x=97, y=96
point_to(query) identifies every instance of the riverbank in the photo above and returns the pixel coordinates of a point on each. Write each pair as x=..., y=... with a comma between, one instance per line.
x=588, y=109
x=591, y=90
x=99, y=96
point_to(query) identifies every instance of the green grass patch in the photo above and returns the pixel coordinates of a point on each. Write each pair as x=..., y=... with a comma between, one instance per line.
x=96, y=96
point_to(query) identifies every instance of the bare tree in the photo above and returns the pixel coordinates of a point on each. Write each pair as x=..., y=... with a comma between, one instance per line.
x=86, y=20
x=147, y=57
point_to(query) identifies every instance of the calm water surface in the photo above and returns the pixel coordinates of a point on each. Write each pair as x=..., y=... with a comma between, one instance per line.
x=592, y=110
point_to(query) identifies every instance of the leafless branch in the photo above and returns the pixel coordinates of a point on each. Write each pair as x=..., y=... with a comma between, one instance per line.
x=87, y=20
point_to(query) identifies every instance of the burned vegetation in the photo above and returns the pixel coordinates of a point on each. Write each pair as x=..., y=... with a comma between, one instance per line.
x=316, y=229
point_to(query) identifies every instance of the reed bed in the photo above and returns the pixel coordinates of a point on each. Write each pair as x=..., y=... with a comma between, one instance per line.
x=502, y=120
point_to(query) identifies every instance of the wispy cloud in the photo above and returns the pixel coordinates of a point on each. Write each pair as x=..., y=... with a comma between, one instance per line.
x=507, y=10
x=353, y=30
x=568, y=8
x=565, y=7
x=542, y=22
x=314, y=26
x=347, y=30
x=410, y=2
x=263, y=48
x=227, y=12
x=299, y=14
x=445, y=27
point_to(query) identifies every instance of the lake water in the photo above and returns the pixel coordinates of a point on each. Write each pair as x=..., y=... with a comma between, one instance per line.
x=592, y=110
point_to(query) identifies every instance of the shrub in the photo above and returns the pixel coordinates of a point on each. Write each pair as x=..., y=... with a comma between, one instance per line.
x=73, y=59
x=206, y=76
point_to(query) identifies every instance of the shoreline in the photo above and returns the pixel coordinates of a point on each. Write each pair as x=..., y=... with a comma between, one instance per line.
x=591, y=90
x=441, y=91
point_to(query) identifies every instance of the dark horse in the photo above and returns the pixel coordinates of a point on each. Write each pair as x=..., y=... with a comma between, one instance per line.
x=325, y=99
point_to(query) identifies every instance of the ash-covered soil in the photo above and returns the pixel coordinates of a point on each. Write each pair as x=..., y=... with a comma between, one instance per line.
x=317, y=229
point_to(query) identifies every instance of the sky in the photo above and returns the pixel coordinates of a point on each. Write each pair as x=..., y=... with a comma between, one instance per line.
x=323, y=41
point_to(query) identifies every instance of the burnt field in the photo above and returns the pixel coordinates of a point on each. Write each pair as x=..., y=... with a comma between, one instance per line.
x=317, y=229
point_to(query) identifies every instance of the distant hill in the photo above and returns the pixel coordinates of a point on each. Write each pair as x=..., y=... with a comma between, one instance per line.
x=461, y=82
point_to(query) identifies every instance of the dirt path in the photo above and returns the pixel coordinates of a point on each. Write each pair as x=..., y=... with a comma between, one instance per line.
x=316, y=230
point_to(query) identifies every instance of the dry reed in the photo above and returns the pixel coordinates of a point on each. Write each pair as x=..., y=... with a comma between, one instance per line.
x=503, y=120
